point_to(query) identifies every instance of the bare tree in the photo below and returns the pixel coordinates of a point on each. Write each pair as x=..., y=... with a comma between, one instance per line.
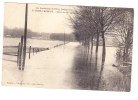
x=105, y=18
x=124, y=31
x=93, y=22
x=83, y=27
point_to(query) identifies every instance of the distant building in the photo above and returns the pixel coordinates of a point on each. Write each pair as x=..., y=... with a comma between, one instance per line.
x=7, y=35
x=110, y=39
x=45, y=36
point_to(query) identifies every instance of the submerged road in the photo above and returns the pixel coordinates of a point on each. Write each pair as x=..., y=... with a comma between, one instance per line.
x=64, y=67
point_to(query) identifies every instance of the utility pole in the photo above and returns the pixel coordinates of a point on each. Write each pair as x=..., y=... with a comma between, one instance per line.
x=25, y=35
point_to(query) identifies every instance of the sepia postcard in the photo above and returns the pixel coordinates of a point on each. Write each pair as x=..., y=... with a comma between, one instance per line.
x=67, y=47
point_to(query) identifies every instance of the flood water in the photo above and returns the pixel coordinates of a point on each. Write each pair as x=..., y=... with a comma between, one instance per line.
x=88, y=73
x=67, y=66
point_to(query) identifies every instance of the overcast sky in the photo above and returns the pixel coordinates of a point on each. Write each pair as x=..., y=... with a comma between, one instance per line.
x=50, y=21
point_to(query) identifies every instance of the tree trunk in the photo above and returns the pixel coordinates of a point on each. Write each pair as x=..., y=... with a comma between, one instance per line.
x=91, y=51
x=97, y=47
x=91, y=45
x=97, y=43
x=124, y=54
x=88, y=46
x=104, y=50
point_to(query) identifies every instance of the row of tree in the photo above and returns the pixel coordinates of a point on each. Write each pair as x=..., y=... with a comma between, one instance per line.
x=62, y=37
x=18, y=32
x=92, y=23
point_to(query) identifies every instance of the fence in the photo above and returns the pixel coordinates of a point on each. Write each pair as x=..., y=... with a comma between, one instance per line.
x=16, y=53
x=30, y=49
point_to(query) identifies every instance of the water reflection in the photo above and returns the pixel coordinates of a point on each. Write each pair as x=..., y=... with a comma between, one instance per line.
x=87, y=72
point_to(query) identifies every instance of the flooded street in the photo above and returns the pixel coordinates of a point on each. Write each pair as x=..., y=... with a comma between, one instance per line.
x=68, y=50
x=89, y=75
x=67, y=66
